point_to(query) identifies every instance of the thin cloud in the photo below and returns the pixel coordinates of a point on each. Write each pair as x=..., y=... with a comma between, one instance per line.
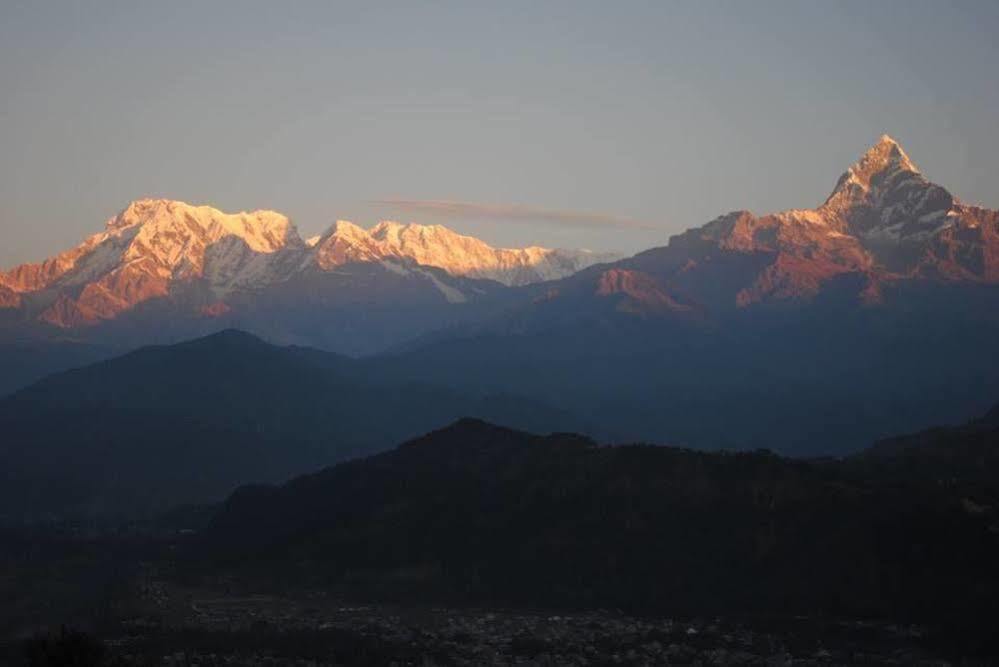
x=453, y=210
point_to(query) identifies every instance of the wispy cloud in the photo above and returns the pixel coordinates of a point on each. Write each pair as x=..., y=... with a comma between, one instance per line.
x=455, y=210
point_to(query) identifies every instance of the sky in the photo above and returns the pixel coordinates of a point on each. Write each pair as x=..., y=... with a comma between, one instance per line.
x=600, y=125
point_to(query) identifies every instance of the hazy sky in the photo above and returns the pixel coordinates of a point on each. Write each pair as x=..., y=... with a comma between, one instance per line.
x=607, y=125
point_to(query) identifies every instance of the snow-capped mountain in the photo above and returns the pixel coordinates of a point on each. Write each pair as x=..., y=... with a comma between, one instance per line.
x=811, y=330
x=438, y=246
x=155, y=247
x=910, y=226
x=193, y=268
x=883, y=228
x=883, y=224
x=145, y=250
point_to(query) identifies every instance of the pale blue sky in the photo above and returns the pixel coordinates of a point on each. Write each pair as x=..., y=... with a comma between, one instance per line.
x=667, y=114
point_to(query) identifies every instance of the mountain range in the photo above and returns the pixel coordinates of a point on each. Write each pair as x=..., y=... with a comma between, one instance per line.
x=805, y=331
x=883, y=223
x=160, y=259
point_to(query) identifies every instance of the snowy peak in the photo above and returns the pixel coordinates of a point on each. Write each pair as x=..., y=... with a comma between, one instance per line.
x=884, y=166
x=170, y=240
x=345, y=229
x=178, y=223
x=883, y=159
x=886, y=154
x=143, y=250
x=390, y=230
x=203, y=257
x=443, y=248
x=884, y=222
x=346, y=243
x=883, y=198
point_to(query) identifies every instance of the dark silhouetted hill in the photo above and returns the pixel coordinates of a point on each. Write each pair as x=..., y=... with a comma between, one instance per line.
x=487, y=515
x=191, y=422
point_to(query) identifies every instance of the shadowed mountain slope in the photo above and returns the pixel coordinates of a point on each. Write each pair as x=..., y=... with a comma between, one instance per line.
x=190, y=422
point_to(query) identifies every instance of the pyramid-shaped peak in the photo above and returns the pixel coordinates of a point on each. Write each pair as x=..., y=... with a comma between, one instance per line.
x=886, y=154
x=881, y=163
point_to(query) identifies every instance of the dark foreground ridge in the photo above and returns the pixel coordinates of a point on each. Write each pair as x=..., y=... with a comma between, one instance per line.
x=483, y=545
x=479, y=514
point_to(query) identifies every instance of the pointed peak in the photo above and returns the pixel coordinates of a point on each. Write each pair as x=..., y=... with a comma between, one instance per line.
x=884, y=159
x=886, y=153
x=887, y=139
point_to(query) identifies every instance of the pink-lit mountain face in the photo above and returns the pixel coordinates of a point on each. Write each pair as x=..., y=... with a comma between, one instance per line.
x=361, y=290
x=143, y=251
x=883, y=224
x=201, y=259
